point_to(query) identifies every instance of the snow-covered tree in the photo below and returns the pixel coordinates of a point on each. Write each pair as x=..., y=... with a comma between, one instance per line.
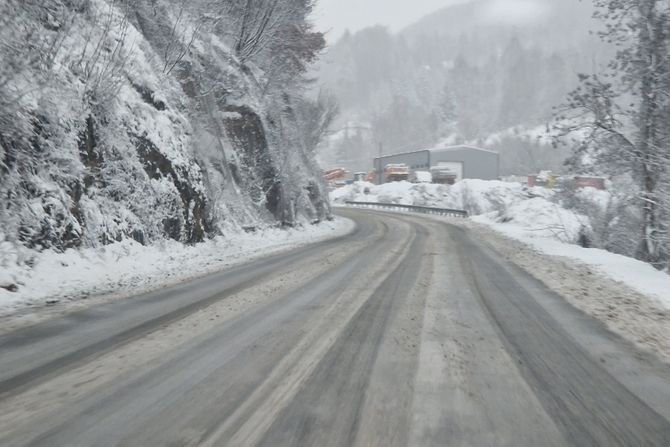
x=152, y=119
x=623, y=114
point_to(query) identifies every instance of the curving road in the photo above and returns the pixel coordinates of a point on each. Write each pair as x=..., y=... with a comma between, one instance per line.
x=408, y=331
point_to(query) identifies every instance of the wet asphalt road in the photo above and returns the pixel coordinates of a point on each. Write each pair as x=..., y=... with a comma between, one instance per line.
x=408, y=331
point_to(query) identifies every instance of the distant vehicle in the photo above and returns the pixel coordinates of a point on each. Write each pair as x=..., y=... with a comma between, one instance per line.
x=546, y=179
x=335, y=174
x=421, y=177
x=360, y=176
x=371, y=177
x=396, y=173
x=447, y=173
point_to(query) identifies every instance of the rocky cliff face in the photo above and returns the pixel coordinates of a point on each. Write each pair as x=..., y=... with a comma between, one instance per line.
x=135, y=120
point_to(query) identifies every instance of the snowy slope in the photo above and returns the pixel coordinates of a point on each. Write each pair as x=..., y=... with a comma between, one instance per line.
x=128, y=268
x=133, y=121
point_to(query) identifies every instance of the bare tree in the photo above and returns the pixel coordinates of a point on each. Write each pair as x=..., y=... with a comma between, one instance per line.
x=633, y=137
x=102, y=60
x=179, y=43
x=315, y=117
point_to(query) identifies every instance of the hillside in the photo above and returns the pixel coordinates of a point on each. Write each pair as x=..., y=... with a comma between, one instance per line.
x=484, y=72
x=149, y=120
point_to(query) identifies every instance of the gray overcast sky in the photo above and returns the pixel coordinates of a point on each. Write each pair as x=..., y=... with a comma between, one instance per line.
x=338, y=15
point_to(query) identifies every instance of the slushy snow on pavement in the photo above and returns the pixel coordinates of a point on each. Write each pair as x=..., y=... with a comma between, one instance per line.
x=128, y=268
x=526, y=214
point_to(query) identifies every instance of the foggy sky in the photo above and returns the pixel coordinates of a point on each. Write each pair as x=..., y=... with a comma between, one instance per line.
x=336, y=16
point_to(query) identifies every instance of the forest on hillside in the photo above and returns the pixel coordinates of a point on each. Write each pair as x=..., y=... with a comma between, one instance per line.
x=457, y=76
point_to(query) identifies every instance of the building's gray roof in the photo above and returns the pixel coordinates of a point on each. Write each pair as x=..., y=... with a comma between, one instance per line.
x=442, y=149
x=461, y=148
x=402, y=153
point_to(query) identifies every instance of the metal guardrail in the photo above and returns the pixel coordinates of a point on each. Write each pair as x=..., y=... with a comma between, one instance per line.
x=412, y=208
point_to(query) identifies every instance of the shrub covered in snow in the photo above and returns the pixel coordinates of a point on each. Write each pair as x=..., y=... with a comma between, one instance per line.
x=585, y=216
x=613, y=215
x=536, y=209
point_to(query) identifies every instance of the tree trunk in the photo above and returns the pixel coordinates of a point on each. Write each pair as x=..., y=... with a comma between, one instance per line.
x=647, y=141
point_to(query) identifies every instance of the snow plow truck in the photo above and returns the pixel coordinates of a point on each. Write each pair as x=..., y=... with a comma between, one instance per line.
x=396, y=173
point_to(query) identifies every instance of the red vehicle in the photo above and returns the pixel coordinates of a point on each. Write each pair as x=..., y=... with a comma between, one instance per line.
x=335, y=174
x=396, y=173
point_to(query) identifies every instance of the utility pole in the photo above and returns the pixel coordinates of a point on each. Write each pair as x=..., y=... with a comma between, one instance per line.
x=380, y=170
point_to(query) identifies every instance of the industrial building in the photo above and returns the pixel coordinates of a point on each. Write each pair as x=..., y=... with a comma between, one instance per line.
x=468, y=162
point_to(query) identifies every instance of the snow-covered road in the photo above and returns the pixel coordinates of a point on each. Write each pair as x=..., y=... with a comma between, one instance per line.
x=408, y=331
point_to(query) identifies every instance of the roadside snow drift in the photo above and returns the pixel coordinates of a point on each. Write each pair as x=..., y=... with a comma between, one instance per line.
x=531, y=208
x=536, y=216
x=128, y=268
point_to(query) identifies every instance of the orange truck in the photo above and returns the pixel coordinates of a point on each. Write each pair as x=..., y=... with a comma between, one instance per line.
x=396, y=173
x=335, y=174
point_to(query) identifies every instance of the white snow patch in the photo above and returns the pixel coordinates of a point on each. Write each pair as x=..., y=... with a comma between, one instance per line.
x=637, y=275
x=128, y=268
x=475, y=196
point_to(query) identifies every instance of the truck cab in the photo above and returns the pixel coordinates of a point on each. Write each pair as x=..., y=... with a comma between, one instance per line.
x=396, y=173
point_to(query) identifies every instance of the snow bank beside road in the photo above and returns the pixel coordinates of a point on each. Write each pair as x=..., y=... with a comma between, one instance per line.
x=505, y=201
x=638, y=275
x=128, y=268
x=573, y=273
x=533, y=216
x=475, y=196
x=533, y=228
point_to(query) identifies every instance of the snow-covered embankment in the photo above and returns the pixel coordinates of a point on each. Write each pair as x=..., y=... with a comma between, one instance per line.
x=128, y=268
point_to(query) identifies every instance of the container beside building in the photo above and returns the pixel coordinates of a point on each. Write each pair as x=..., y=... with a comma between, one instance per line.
x=548, y=180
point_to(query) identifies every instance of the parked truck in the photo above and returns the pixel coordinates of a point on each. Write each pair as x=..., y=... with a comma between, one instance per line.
x=447, y=173
x=360, y=176
x=396, y=173
x=335, y=174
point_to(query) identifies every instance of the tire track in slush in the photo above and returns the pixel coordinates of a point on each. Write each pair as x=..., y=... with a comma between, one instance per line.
x=326, y=410
x=69, y=342
x=586, y=402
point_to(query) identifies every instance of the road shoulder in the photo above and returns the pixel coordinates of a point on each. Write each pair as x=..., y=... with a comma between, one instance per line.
x=616, y=325
x=76, y=281
x=621, y=309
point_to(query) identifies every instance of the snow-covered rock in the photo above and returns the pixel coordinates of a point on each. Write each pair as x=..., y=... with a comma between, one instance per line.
x=120, y=122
